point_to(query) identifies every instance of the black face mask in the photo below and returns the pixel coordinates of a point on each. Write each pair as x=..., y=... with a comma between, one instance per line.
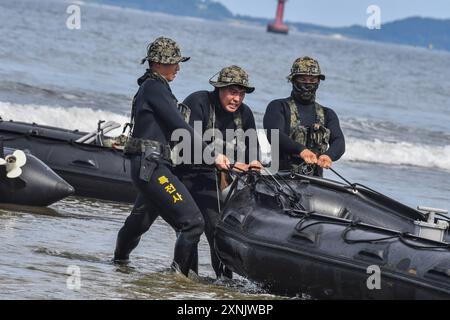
x=305, y=92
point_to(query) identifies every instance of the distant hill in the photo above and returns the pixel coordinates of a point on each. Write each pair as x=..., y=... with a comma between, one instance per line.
x=414, y=31
x=206, y=9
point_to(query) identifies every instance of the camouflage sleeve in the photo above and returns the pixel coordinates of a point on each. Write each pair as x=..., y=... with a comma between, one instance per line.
x=275, y=118
x=337, y=140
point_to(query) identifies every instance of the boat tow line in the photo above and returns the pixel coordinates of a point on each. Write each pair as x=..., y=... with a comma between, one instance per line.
x=293, y=198
x=352, y=185
x=403, y=237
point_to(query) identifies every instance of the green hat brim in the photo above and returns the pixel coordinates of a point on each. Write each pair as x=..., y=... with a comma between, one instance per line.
x=184, y=59
x=178, y=60
x=217, y=84
x=291, y=76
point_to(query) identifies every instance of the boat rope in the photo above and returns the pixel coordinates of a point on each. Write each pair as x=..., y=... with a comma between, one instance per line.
x=309, y=215
x=352, y=185
x=355, y=186
x=295, y=198
x=351, y=226
x=278, y=192
x=216, y=173
x=73, y=143
x=276, y=187
x=236, y=176
x=443, y=216
x=403, y=237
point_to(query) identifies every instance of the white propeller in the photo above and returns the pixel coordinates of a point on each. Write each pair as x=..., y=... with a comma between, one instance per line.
x=13, y=163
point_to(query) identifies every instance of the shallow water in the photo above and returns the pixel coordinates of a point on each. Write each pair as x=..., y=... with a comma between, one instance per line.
x=41, y=250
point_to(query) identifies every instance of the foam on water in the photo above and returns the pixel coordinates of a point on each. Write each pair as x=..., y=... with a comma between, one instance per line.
x=358, y=150
x=83, y=119
x=398, y=153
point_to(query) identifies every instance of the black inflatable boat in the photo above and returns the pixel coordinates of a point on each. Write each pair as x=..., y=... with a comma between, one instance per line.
x=85, y=160
x=36, y=185
x=299, y=235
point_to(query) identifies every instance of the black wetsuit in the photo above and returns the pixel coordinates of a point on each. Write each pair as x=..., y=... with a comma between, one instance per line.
x=156, y=117
x=278, y=115
x=201, y=182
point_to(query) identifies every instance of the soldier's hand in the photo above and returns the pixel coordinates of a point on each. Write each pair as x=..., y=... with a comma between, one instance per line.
x=324, y=161
x=222, y=162
x=255, y=165
x=308, y=156
x=240, y=167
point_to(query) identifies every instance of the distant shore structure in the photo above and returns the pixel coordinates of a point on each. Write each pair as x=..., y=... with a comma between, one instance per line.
x=278, y=26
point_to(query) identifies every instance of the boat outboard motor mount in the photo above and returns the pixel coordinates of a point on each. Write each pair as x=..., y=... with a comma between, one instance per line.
x=433, y=229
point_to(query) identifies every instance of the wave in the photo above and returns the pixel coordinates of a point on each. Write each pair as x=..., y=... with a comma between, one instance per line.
x=83, y=119
x=24, y=93
x=358, y=150
x=393, y=132
x=21, y=88
x=398, y=153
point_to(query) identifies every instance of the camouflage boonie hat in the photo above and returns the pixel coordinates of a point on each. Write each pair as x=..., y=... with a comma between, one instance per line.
x=306, y=66
x=232, y=75
x=164, y=50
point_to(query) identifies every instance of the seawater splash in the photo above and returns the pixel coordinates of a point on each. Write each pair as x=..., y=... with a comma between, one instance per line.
x=83, y=119
x=358, y=150
x=398, y=153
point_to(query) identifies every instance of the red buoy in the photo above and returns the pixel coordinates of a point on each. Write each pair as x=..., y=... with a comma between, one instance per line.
x=278, y=26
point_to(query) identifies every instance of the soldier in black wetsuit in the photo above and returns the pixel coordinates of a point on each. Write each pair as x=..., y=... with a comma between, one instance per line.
x=222, y=109
x=310, y=135
x=155, y=116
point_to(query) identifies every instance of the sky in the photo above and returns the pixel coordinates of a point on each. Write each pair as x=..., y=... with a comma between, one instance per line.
x=341, y=12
